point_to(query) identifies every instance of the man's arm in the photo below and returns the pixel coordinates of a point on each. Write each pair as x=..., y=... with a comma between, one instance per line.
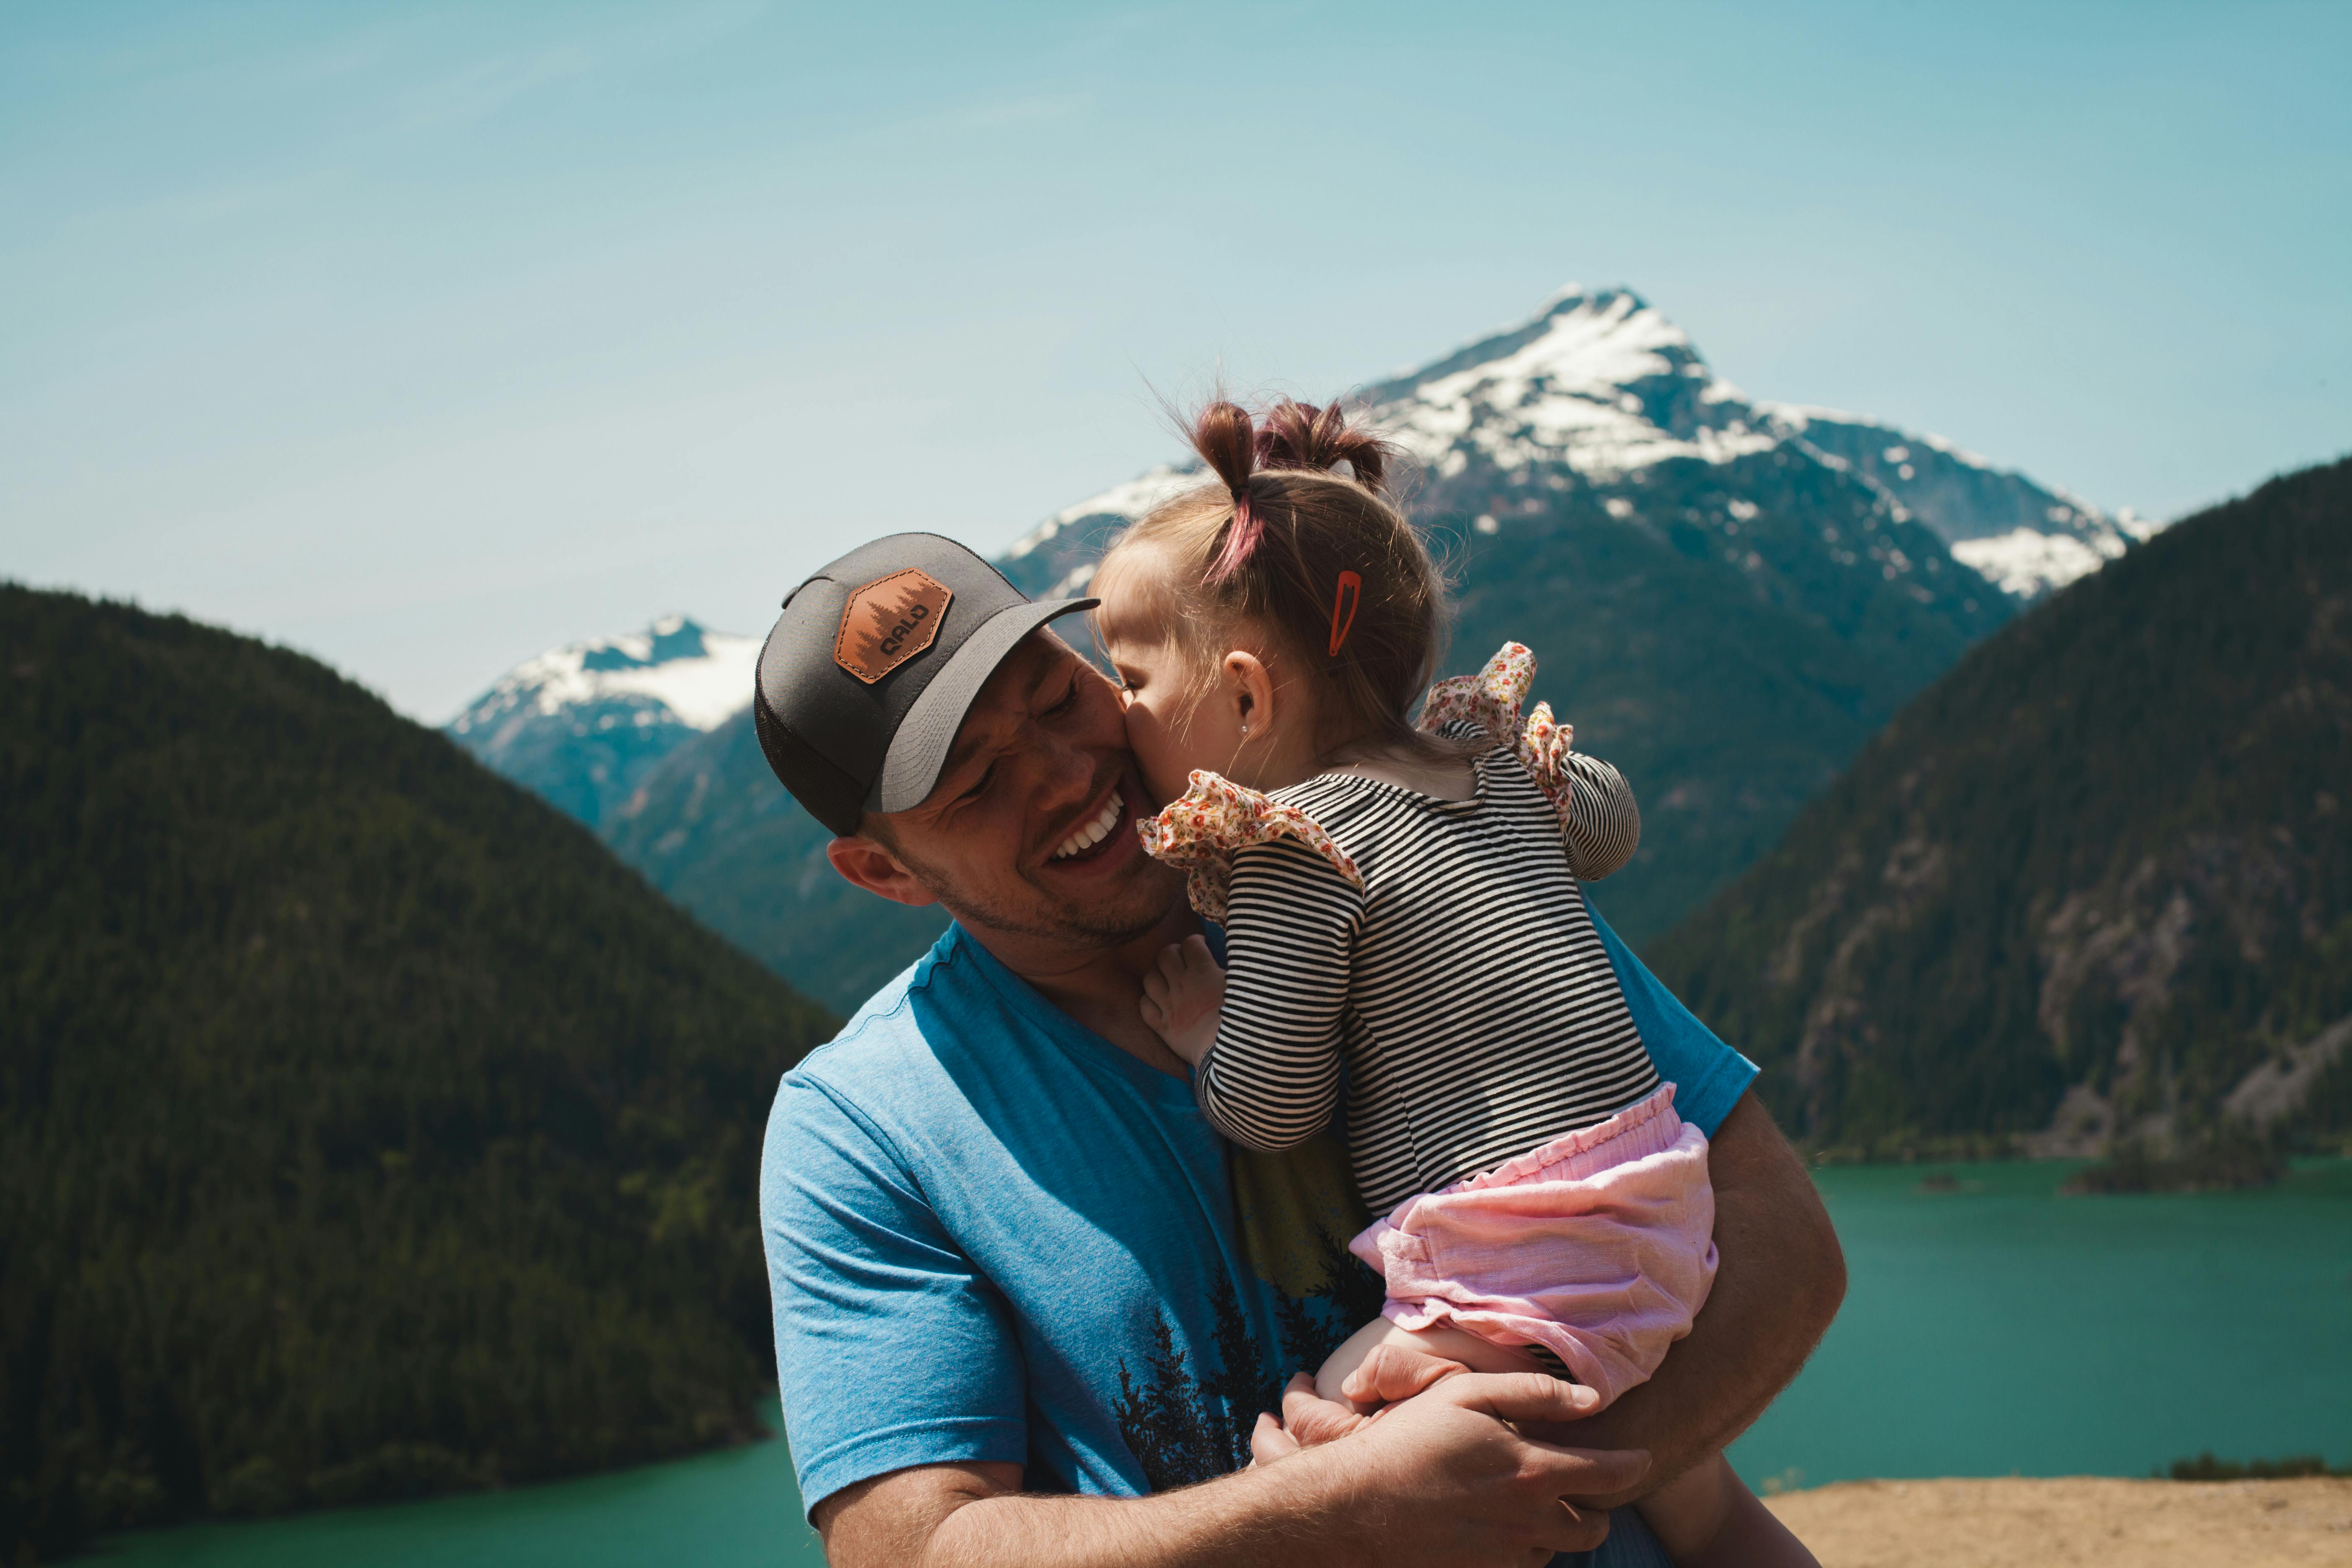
x=1779, y=1282
x=1443, y=1481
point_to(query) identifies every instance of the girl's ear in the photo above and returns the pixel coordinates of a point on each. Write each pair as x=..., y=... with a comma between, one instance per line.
x=1248, y=690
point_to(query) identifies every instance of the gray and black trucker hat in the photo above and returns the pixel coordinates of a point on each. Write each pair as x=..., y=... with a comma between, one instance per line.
x=874, y=663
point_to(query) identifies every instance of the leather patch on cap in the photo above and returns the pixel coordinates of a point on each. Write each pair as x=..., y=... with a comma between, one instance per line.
x=888, y=621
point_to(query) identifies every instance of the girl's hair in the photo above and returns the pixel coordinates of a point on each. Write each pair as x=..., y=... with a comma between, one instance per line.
x=1321, y=560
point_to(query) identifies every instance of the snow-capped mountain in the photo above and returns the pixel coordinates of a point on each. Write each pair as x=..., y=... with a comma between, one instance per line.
x=2024, y=538
x=1732, y=593
x=582, y=725
x=1598, y=391
x=1728, y=597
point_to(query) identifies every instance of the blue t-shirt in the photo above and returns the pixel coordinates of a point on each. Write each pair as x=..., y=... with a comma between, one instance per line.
x=993, y=1236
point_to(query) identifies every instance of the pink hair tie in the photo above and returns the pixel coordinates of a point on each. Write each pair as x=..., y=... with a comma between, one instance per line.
x=1241, y=540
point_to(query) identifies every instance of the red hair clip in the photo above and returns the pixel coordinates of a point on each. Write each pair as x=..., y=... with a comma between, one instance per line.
x=1350, y=593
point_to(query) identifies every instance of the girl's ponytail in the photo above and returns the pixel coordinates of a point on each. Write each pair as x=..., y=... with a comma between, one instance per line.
x=1301, y=436
x=1228, y=441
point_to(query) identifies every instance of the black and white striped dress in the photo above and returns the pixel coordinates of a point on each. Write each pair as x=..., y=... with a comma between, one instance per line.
x=1462, y=986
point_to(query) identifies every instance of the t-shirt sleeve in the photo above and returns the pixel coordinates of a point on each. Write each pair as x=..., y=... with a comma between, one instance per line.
x=891, y=1349
x=1709, y=1076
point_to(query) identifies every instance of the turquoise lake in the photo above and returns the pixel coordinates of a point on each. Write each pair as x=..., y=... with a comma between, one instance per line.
x=1994, y=1330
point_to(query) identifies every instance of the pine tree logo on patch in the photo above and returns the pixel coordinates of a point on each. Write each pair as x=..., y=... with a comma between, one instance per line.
x=888, y=621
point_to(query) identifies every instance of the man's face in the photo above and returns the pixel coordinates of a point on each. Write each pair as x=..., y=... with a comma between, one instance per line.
x=1031, y=828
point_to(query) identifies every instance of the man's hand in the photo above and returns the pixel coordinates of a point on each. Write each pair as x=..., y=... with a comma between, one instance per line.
x=1184, y=996
x=1389, y=1375
x=1446, y=1481
x=1455, y=1479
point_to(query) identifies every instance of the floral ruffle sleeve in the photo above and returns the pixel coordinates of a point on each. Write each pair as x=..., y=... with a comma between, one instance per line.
x=1597, y=811
x=1200, y=829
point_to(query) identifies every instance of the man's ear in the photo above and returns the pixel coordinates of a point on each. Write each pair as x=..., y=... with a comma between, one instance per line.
x=1248, y=690
x=861, y=860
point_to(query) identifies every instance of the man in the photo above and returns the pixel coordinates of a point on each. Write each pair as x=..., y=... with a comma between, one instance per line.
x=1029, y=1308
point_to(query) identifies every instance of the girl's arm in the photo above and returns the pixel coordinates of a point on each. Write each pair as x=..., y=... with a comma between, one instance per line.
x=1603, y=824
x=1273, y=1076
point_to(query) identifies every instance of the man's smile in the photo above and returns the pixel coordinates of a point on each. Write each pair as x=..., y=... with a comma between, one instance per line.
x=1092, y=832
x=1102, y=838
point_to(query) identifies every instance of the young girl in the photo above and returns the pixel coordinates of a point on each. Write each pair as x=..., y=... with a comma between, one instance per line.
x=1404, y=916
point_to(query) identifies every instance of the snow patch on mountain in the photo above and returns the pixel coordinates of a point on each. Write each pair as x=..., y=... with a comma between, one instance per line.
x=585, y=725
x=2025, y=563
x=675, y=666
x=1991, y=517
x=1130, y=500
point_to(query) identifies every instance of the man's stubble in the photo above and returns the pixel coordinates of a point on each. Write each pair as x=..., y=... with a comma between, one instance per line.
x=1052, y=917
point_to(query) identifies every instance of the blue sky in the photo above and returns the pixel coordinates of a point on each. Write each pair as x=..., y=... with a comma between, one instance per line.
x=424, y=337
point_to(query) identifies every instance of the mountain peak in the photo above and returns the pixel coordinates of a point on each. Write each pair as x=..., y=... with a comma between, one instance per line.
x=665, y=641
x=1599, y=381
x=1570, y=298
x=583, y=724
x=1596, y=390
x=676, y=666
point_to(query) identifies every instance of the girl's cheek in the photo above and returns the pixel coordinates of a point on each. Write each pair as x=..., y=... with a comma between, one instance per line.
x=1155, y=751
x=1144, y=736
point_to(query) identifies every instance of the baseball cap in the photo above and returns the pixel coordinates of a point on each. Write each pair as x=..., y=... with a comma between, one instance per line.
x=869, y=672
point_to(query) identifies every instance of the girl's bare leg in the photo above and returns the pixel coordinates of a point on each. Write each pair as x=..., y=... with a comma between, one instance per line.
x=1706, y=1518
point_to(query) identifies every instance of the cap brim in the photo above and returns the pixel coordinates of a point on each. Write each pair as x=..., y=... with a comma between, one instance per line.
x=920, y=750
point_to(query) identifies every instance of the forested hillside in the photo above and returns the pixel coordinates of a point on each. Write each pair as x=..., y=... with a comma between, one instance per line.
x=365, y=1128
x=2094, y=881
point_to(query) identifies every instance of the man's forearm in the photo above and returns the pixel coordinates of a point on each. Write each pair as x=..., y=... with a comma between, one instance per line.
x=974, y=1516
x=1235, y=1520
x=1777, y=1284
x=1447, y=1480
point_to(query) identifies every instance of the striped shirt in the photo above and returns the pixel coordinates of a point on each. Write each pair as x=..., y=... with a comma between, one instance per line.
x=1463, y=988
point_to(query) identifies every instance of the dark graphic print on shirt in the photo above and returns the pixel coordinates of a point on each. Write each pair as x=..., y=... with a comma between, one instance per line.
x=1295, y=1212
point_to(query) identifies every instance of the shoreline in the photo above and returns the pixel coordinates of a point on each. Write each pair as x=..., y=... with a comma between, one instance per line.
x=1992, y=1524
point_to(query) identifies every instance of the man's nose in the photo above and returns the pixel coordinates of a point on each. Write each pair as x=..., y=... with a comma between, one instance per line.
x=1066, y=774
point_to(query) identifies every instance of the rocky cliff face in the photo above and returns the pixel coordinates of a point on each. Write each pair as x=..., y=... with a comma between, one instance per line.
x=2096, y=880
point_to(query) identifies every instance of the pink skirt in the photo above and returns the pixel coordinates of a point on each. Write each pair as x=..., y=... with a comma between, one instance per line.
x=1599, y=1247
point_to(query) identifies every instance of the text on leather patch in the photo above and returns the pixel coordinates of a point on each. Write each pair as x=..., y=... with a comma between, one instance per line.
x=888, y=621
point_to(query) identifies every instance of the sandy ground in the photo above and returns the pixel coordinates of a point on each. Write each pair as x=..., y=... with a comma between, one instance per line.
x=2090, y=1520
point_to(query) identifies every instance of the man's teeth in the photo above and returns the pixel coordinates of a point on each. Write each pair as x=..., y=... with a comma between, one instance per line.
x=1089, y=835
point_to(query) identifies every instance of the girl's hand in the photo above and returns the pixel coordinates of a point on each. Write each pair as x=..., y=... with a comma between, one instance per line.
x=1390, y=1375
x=1184, y=996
